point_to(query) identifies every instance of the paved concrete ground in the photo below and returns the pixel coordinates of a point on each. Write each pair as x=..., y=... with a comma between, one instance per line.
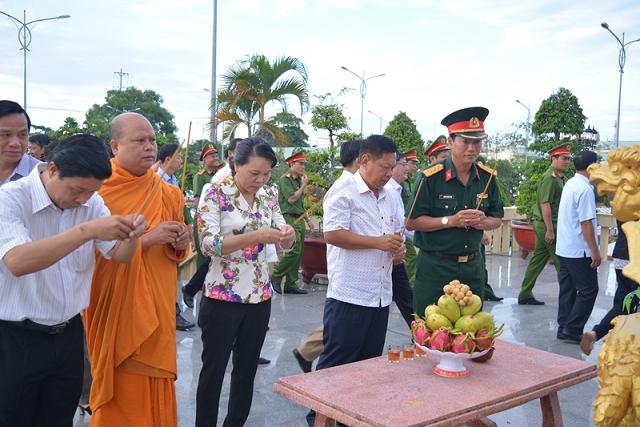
x=294, y=316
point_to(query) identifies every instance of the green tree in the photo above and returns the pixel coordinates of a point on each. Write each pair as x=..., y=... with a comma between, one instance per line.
x=290, y=124
x=252, y=84
x=68, y=128
x=559, y=120
x=402, y=130
x=147, y=102
x=329, y=115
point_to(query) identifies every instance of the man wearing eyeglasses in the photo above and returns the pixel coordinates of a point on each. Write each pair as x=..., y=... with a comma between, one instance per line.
x=545, y=215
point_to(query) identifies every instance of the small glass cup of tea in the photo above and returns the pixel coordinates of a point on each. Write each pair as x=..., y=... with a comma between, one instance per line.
x=408, y=351
x=393, y=353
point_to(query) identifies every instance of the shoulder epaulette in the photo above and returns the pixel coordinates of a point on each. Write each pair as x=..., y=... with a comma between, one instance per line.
x=433, y=169
x=487, y=169
x=201, y=171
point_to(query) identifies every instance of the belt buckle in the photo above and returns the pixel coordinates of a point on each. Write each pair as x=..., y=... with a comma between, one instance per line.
x=58, y=329
x=463, y=258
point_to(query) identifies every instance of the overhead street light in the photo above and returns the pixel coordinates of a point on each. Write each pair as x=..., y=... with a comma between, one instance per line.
x=24, y=38
x=379, y=119
x=526, y=151
x=622, y=59
x=363, y=92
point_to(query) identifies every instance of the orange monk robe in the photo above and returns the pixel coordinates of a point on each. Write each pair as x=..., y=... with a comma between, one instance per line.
x=131, y=327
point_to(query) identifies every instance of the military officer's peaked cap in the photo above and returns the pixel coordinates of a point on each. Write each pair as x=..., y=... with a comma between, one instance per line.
x=468, y=122
x=440, y=144
x=208, y=149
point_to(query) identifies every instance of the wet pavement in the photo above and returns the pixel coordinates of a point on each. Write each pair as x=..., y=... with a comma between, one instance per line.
x=294, y=316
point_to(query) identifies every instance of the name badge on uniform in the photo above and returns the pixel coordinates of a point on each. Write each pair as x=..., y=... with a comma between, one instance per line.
x=446, y=196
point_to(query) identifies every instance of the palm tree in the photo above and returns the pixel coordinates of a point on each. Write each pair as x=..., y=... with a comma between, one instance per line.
x=250, y=85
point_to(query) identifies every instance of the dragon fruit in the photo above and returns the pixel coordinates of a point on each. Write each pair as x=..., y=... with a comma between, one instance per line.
x=421, y=333
x=463, y=343
x=485, y=337
x=440, y=340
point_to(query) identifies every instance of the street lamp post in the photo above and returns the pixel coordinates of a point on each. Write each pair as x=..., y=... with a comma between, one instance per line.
x=622, y=58
x=379, y=120
x=214, y=123
x=24, y=38
x=526, y=148
x=363, y=91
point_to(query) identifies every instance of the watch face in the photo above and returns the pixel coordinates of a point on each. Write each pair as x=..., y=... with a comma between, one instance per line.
x=445, y=220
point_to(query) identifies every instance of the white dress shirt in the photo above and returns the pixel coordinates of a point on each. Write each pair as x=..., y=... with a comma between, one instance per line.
x=360, y=276
x=221, y=174
x=577, y=204
x=59, y=292
x=24, y=167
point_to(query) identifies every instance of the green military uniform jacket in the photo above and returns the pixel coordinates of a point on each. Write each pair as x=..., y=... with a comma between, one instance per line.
x=442, y=194
x=200, y=179
x=549, y=191
x=286, y=187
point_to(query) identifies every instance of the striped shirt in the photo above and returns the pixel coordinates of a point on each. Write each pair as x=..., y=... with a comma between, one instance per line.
x=59, y=292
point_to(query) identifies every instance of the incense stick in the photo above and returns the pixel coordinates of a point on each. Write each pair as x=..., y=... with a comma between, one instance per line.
x=186, y=159
x=484, y=192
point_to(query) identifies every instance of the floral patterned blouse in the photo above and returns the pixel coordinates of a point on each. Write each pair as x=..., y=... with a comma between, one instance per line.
x=243, y=275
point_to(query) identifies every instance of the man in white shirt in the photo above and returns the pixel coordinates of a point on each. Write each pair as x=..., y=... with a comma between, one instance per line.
x=577, y=249
x=14, y=137
x=402, y=292
x=53, y=222
x=311, y=347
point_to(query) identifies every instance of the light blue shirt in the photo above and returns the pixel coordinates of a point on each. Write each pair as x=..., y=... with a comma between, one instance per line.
x=25, y=165
x=168, y=179
x=577, y=204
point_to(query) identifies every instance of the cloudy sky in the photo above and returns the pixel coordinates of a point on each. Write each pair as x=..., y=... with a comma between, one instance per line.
x=438, y=56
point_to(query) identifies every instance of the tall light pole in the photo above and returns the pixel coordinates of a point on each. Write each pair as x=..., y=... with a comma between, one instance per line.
x=214, y=107
x=526, y=148
x=363, y=92
x=379, y=119
x=622, y=58
x=24, y=38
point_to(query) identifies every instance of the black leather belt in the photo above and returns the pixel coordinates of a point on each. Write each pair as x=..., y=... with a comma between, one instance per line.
x=454, y=257
x=37, y=327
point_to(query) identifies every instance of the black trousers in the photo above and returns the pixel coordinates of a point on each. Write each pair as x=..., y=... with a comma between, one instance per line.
x=197, y=280
x=625, y=286
x=40, y=375
x=578, y=291
x=351, y=333
x=402, y=292
x=227, y=327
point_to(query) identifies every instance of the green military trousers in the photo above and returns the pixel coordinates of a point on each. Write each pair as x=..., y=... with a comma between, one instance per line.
x=433, y=272
x=289, y=264
x=541, y=255
x=410, y=260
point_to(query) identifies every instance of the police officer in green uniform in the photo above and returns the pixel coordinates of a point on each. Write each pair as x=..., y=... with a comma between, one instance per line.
x=545, y=220
x=209, y=157
x=291, y=200
x=448, y=226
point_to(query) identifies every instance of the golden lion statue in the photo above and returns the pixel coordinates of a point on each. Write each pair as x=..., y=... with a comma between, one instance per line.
x=618, y=400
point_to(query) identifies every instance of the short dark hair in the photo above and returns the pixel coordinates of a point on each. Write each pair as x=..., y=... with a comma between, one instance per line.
x=167, y=150
x=583, y=159
x=232, y=146
x=82, y=155
x=250, y=147
x=49, y=149
x=10, y=107
x=377, y=146
x=41, y=139
x=349, y=151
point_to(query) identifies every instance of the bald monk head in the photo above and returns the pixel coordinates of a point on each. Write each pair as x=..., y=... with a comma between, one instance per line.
x=133, y=142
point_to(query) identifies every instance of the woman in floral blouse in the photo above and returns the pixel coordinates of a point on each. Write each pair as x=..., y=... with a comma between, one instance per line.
x=236, y=219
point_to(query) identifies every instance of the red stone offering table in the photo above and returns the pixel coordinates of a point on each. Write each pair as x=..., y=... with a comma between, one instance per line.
x=375, y=392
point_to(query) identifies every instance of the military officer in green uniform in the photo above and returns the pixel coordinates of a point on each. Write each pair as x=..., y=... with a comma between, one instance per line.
x=545, y=220
x=291, y=200
x=456, y=200
x=407, y=190
x=438, y=150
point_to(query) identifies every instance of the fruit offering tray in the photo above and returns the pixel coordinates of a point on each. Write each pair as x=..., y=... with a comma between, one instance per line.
x=451, y=365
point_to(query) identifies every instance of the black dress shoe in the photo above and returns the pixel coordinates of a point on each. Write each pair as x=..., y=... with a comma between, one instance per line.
x=183, y=324
x=530, y=301
x=492, y=297
x=276, y=287
x=295, y=291
x=263, y=361
x=302, y=362
x=569, y=337
x=188, y=299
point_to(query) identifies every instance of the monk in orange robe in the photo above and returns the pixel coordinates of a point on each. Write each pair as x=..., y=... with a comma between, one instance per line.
x=131, y=329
